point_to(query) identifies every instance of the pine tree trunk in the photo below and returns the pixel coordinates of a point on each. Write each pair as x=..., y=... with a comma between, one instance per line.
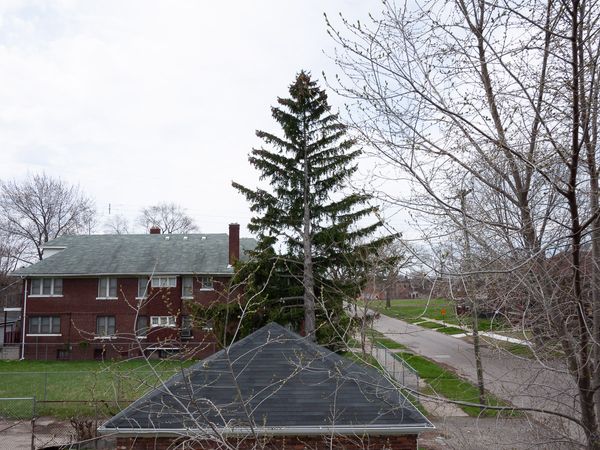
x=308, y=279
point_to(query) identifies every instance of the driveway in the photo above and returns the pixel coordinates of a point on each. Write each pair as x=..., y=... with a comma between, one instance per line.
x=523, y=382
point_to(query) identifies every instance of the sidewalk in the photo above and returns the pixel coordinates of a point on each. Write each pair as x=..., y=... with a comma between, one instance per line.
x=469, y=332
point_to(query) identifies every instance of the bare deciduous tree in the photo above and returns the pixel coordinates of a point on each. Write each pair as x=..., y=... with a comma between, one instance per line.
x=40, y=208
x=169, y=217
x=12, y=251
x=503, y=95
x=116, y=224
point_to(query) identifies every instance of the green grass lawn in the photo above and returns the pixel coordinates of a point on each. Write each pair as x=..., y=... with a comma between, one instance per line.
x=446, y=329
x=415, y=310
x=430, y=325
x=367, y=360
x=370, y=361
x=65, y=388
x=376, y=338
x=445, y=383
x=450, y=330
x=379, y=338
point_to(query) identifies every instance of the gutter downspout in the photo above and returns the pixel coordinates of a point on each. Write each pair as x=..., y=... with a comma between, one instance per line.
x=23, y=321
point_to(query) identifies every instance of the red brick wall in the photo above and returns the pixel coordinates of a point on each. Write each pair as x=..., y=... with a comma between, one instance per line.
x=403, y=442
x=78, y=309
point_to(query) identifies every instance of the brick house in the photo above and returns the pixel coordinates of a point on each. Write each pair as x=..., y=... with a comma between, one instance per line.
x=110, y=296
x=274, y=389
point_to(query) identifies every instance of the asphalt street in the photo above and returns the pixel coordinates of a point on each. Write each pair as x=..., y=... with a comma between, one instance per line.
x=521, y=381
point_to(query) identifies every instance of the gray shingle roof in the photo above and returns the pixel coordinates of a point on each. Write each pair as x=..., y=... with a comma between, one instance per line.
x=137, y=254
x=286, y=383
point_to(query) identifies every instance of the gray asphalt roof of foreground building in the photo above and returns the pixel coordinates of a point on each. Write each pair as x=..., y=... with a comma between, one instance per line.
x=274, y=379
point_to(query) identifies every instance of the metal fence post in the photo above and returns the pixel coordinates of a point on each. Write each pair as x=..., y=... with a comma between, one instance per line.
x=33, y=405
x=45, y=386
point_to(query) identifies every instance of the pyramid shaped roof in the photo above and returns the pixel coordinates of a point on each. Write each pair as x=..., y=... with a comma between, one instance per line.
x=272, y=382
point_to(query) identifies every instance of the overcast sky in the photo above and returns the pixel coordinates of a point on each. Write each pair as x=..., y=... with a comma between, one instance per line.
x=141, y=102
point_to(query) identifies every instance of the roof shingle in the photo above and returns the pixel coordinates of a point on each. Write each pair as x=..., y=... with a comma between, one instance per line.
x=132, y=254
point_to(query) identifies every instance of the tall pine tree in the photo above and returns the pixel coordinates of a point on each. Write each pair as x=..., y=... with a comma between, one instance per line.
x=308, y=209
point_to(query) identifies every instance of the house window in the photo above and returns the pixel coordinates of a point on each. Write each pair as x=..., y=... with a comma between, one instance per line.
x=105, y=326
x=187, y=287
x=164, y=282
x=207, y=282
x=107, y=288
x=141, y=326
x=142, y=287
x=44, y=325
x=162, y=321
x=47, y=287
x=186, y=327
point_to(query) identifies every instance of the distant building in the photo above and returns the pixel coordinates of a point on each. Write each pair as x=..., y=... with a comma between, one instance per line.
x=401, y=287
x=109, y=296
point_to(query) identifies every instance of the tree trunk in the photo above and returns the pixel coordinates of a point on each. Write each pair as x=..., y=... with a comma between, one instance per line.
x=470, y=293
x=308, y=279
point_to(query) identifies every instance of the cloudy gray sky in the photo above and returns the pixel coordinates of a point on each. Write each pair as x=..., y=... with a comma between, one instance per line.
x=141, y=102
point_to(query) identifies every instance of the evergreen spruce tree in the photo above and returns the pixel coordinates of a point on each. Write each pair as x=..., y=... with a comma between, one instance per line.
x=307, y=208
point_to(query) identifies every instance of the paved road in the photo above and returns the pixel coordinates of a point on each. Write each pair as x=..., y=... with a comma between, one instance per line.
x=523, y=382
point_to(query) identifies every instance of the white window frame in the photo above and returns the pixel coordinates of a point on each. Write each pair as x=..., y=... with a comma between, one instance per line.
x=51, y=324
x=40, y=287
x=141, y=295
x=107, y=335
x=163, y=322
x=142, y=333
x=207, y=283
x=190, y=282
x=164, y=282
x=106, y=288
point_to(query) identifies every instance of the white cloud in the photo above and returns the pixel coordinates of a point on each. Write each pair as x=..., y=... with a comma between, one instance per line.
x=147, y=101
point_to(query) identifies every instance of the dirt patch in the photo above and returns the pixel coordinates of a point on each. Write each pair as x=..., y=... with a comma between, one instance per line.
x=49, y=432
x=467, y=433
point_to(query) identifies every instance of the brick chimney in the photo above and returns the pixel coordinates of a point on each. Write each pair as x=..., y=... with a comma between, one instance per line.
x=154, y=230
x=234, y=243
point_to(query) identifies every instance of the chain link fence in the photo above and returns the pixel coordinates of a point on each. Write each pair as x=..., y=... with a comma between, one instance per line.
x=397, y=368
x=106, y=351
x=23, y=428
x=17, y=422
x=121, y=385
x=62, y=409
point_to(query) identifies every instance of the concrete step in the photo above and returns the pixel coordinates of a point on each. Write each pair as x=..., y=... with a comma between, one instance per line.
x=9, y=352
